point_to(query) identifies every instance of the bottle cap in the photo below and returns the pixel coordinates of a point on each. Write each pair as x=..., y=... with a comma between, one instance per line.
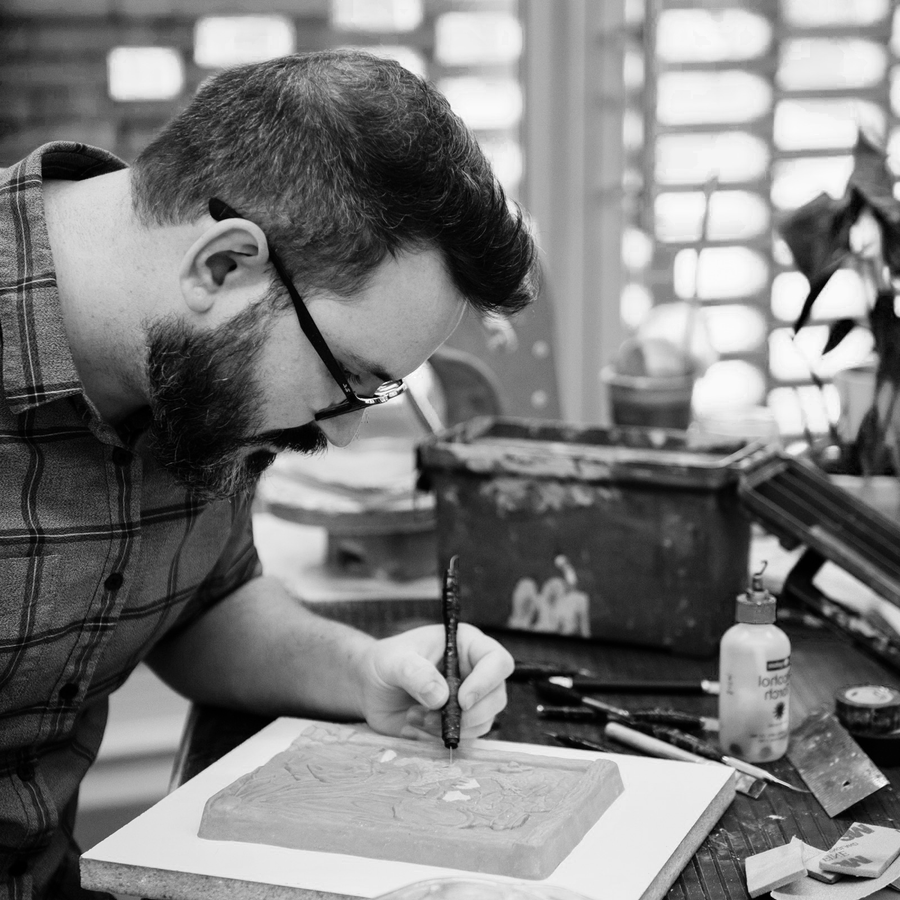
x=757, y=606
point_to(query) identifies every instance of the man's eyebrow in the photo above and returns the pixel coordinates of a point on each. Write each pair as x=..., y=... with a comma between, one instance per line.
x=362, y=365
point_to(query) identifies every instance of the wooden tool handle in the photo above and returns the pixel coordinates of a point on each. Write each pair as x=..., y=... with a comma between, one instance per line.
x=685, y=741
x=646, y=744
x=451, y=714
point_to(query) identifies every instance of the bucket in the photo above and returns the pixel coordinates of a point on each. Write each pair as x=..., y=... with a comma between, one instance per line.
x=649, y=401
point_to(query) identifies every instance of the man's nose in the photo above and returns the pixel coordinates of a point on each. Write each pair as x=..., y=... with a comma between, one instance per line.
x=342, y=429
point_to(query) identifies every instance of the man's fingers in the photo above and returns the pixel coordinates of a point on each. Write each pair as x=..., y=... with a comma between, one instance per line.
x=489, y=664
x=480, y=718
x=475, y=723
x=405, y=689
x=420, y=679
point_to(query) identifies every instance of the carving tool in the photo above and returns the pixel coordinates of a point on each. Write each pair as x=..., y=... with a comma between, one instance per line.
x=644, y=743
x=653, y=726
x=588, y=684
x=567, y=713
x=565, y=696
x=670, y=717
x=701, y=748
x=831, y=763
x=451, y=714
x=526, y=671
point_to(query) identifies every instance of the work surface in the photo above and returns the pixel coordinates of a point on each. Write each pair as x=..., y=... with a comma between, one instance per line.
x=822, y=663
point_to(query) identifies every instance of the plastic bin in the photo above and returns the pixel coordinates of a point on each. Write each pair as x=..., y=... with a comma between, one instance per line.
x=622, y=534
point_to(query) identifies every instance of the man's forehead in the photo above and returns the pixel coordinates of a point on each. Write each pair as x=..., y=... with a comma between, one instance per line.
x=408, y=308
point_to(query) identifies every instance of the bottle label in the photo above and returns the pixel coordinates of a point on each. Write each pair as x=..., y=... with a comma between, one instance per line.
x=754, y=725
x=777, y=685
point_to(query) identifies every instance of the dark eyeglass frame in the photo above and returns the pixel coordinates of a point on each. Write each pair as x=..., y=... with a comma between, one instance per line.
x=353, y=401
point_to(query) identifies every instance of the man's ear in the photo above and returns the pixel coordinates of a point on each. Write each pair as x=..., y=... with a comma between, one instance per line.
x=231, y=254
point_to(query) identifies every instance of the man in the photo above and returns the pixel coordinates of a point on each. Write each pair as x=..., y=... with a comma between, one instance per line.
x=305, y=230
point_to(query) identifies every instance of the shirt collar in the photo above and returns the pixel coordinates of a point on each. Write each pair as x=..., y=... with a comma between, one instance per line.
x=37, y=364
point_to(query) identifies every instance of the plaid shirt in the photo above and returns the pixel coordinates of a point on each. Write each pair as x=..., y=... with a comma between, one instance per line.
x=101, y=552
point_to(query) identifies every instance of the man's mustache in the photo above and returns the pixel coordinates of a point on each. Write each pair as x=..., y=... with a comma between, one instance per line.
x=307, y=438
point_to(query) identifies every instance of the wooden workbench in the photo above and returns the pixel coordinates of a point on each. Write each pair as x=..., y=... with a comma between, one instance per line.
x=822, y=663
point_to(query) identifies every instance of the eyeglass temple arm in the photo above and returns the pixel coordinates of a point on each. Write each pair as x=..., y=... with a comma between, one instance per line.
x=220, y=210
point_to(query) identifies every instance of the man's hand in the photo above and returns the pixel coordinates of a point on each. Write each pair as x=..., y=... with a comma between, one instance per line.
x=284, y=660
x=403, y=689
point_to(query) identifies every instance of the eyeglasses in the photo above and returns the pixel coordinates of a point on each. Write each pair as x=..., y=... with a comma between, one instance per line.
x=353, y=401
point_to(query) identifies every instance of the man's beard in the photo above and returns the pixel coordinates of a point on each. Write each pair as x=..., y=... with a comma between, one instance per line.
x=207, y=406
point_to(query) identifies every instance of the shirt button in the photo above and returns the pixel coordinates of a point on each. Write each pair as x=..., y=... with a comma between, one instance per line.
x=25, y=770
x=68, y=691
x=114, y=581
x=18, y=868
x=121, y=456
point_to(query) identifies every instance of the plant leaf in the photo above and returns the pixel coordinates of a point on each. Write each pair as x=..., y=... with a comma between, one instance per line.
x=818, y=233
x=886, y=333
x=869, y=453
x=816, y=286
x=872, y=178
x=873, y=183
x=838, y=331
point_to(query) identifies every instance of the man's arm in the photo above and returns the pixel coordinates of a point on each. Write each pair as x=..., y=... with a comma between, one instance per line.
x=261, y=650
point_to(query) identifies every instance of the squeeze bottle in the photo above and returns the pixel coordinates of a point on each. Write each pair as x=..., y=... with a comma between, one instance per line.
x=754, y=680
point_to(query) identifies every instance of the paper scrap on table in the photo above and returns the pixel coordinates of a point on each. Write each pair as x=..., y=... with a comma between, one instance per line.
x=848, y=888
x=774, y=868
x=863, y=850
x=811, y=858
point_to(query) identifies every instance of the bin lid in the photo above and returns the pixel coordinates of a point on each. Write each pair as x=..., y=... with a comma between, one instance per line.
x=498, y=446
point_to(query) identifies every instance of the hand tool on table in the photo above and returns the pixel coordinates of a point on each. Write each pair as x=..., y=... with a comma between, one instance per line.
x=526, y=670
x=451, y=713
x=656, y=716
x=643, y=743
x=590, y=684
x=567, y=713
x=658, y=723
x=701, y=748
x=554, y=693
x=834, y=766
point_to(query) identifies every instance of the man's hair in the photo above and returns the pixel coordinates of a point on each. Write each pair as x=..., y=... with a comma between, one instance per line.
x=341, y=158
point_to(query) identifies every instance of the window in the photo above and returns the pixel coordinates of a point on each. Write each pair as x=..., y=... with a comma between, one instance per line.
x=233, y=40
x=755, y=107
x=144, y=73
